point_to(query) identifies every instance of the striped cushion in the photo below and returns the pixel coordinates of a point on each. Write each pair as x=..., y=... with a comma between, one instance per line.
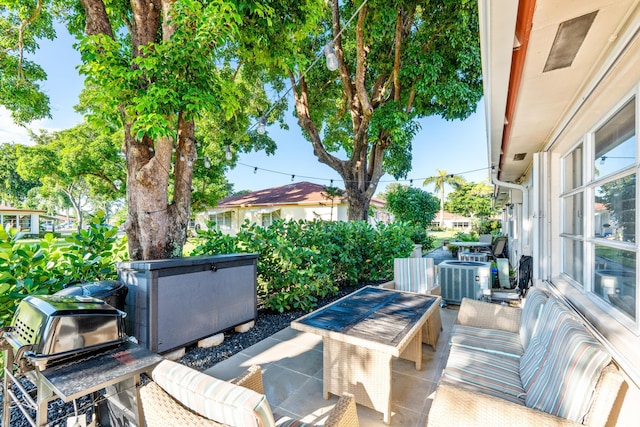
x=495, y=341
x=484, y=372
x=567, y=379
x=530, y=314
x=552, y=315
x=212, y=398
x=414, y=274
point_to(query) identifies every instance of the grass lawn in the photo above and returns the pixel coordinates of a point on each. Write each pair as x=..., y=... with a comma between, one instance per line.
x=440, y=236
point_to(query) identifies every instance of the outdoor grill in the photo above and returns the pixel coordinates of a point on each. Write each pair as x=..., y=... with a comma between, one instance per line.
x=52, y=329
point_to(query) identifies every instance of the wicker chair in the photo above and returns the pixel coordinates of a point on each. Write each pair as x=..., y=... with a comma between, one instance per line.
x=161, y=409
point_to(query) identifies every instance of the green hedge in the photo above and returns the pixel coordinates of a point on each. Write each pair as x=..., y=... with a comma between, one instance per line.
x=302, y=261
x=46, y=266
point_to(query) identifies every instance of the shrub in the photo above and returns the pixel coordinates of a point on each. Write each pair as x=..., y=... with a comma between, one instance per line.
x=301, y=261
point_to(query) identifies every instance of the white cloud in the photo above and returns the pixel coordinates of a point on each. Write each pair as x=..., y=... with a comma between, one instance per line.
x=11, y=132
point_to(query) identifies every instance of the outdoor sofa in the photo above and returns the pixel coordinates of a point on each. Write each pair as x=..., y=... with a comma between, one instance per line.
x=179, y=396
x=534, y=366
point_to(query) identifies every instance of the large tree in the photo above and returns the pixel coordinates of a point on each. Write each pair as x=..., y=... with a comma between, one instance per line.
x=153, y=68
x=80, y=162
x=471, y=199
x=398, y=61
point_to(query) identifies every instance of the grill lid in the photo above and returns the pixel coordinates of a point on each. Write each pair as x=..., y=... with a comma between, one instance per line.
x=49, y=327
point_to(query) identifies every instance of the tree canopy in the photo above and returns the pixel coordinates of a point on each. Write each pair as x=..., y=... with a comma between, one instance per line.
x=411, y=205
x=13, y=188
x=471, y=199
x=439, y=181
x=397, y=62
x=160, y=71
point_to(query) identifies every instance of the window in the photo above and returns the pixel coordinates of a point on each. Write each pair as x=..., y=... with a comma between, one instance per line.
x=25, y=222
x=269, y=218
x=223, y=221
x=599, y=214
x=573, y=169
x=615, y=142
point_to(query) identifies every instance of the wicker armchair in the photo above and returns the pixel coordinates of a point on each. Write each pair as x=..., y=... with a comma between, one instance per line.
x=161, y=409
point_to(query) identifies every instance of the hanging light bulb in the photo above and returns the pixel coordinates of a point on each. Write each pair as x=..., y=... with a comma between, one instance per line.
x=255, y=170
x=227, y=152
x=207, y=162
x=330, y=55
x=190, y=162
x=262, y=126
x=293, y=177
x=602, y=159
x=182, y=157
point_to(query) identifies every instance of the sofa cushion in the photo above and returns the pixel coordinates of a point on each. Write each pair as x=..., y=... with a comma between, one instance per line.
x=567, y=379
x=530, y=314
x=495, y=341
x=553, y=314
x=484, y=372
x=212, y=398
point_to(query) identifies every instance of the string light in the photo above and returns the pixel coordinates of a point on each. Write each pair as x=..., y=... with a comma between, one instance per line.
x=255, y=170
x=262, y=126
x=293, y=177
x=227, y=152
x=190, y=162
x=182, y=157
x=330, y=55
x=207, y=162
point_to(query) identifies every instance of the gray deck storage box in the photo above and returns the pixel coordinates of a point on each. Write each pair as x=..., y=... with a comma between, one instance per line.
x=175, y=302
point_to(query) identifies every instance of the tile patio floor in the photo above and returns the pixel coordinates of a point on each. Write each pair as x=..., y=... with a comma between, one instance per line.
x=291, y=362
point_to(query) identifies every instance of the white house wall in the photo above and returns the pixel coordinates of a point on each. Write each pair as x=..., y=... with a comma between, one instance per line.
x=618, y=84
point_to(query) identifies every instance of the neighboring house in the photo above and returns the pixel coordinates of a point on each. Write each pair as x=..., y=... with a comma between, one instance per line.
x=302, y=200
x=453, y=221
x=562, y=90
x=25, y=220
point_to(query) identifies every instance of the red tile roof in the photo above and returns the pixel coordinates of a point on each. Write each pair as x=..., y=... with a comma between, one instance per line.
x=291, y=194
x=297, y=193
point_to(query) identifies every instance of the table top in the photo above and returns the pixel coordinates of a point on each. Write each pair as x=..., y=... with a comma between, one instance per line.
x=372, y=317
x=470, y=244
x=73, y=380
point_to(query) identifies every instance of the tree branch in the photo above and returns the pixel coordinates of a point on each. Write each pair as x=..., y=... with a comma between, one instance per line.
x=301, y=98
x=361, y=65
x=23, y=25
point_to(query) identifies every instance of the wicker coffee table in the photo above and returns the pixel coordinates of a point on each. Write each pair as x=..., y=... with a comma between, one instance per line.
x=361, y=334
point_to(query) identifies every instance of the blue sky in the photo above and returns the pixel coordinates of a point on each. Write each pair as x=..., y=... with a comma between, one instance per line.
x=456, y=146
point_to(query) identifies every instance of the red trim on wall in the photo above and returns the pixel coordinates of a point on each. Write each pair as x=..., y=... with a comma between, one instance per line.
x=524, y=22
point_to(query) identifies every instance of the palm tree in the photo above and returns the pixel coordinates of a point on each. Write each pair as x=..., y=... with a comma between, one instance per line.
x=439, y=182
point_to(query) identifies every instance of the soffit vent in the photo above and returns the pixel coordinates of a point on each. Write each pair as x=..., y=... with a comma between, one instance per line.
x=569, y=38
x=520, y=156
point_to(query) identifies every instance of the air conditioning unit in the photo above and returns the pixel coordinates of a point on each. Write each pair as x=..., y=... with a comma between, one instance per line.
x=472, y=256
x=463, y=279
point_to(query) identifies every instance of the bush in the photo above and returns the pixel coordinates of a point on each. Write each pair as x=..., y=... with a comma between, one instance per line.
x=45, y=267
x=301, y=261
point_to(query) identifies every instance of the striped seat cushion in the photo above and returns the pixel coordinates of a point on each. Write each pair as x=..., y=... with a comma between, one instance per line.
x=212, y=398
x=414, y=274
x=552, y=316
x=495, y=341
x=531, y=313
x=565, y=383
x=484, y=372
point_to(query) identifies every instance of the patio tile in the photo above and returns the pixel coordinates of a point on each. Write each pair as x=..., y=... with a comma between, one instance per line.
x=292, y=375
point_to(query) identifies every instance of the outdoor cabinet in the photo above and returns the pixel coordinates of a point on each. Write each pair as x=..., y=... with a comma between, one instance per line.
x=175, y=302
